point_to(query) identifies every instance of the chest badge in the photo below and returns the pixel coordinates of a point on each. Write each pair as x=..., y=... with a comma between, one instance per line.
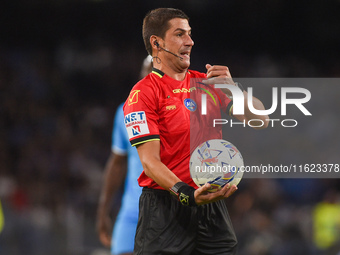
x=190, y=104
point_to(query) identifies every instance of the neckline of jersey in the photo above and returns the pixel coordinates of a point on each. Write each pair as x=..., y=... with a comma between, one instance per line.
x=165, y=77
x=157, y=72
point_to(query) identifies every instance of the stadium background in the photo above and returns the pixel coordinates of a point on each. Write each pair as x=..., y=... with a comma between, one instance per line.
x=66, y=65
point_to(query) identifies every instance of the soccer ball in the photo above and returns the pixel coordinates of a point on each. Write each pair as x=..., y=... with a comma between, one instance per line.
x=217, y=162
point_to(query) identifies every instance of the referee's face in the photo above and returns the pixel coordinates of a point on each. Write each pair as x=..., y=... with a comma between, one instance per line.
x=178, y=40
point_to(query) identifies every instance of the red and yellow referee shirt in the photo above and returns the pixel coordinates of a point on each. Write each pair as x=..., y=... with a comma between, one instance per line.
x=162, y=108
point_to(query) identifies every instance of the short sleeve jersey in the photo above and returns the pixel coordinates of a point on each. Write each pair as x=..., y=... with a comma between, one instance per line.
x=162, y=108
x=121, y=146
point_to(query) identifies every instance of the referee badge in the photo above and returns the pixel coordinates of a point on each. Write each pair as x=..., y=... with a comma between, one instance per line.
x=190, y=104
x=133, y=97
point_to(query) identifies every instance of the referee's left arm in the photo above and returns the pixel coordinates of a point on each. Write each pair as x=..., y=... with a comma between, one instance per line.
x=221, y=74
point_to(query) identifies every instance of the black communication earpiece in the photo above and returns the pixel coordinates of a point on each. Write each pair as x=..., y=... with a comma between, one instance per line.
x=157, y=44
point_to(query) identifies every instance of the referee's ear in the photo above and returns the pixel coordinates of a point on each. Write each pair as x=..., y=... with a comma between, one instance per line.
x=154, y=42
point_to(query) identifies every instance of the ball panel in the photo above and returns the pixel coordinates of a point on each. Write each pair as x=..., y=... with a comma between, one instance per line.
x=217, y=162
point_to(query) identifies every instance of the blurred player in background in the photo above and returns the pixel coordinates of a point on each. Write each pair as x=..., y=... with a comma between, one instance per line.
x=157, y=118
x=2, y=220
x=122, y=241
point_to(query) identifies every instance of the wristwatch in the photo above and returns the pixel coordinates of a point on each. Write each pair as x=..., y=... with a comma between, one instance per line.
x=184, y=193
x=174, y=189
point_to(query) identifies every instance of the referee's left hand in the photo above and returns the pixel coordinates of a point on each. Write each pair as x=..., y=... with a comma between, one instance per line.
x=203, y=196
x=217, y=74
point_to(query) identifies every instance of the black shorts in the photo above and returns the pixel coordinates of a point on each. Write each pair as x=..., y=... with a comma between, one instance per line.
x=165, y=226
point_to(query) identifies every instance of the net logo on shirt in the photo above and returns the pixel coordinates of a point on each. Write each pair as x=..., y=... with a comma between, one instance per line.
x=136, y=124
x=136, y=130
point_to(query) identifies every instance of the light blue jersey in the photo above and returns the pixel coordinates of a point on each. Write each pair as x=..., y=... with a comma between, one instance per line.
x=126, y=222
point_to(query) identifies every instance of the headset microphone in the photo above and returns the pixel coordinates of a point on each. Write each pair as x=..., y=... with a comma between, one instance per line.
x=157, y=44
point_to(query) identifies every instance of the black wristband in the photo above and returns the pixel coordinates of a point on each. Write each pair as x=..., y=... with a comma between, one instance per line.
x=239, y=85
x=184, y=193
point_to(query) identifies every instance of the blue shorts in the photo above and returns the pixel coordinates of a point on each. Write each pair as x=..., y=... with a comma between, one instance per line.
x=123, y=237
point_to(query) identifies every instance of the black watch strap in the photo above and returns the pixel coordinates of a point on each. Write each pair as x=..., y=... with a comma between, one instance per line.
x=184, y=193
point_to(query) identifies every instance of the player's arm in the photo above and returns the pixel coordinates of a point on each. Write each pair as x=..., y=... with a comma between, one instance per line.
x=114, y=174
x=221, y=74
x=149, y=154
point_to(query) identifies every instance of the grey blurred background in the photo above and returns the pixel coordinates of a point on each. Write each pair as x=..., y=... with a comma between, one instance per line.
x=66, y=65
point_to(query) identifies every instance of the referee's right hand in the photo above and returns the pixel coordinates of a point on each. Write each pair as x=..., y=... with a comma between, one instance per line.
x=203, y=196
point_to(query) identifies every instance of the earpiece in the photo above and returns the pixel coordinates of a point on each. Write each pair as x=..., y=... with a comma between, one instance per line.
x=159, y=47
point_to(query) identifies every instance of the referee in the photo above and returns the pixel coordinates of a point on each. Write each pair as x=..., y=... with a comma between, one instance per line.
x=162, y=117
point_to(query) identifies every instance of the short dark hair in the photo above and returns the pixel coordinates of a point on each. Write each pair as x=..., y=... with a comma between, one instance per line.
x=156, y=22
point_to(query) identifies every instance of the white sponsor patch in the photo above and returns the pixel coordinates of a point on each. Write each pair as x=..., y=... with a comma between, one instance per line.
x=136, y=124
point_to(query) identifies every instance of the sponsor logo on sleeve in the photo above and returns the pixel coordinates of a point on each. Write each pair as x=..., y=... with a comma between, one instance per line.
x=133, y=97
x=136, y=124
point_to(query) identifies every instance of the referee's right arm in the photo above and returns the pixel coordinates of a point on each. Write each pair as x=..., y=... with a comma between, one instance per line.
x=149, y=154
